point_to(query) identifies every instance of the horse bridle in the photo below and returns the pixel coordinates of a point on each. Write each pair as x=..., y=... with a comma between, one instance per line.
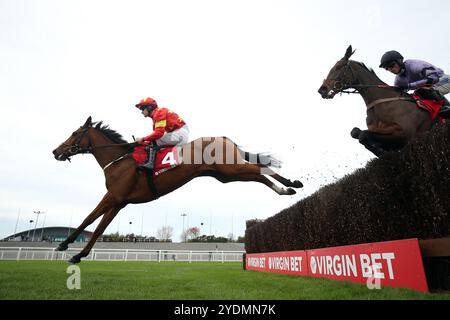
x=75, y=148
x=344, y=86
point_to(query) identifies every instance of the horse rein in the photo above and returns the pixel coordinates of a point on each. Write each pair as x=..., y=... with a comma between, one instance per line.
x=343, y=87
x=76, y=149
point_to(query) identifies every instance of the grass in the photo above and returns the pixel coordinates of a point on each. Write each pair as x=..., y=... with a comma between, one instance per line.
x=177, y=281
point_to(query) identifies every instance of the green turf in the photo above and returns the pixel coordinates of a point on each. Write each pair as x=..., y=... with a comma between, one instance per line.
x=176, y=281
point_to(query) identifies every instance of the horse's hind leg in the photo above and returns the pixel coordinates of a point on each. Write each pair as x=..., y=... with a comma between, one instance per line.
x=104, y=205
x=248, y=172
x=106, y=220
x=270, y=184
x=286, y=182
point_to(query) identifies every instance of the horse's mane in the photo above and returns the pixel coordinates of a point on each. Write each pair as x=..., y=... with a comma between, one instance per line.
x=111, y=134
x=402, y=93
x=365, y=67
x=361, y=64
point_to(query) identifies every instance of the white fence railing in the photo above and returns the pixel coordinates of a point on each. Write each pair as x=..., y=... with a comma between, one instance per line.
x=31, y=253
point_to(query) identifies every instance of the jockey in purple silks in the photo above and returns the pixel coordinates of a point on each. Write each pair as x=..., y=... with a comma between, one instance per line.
x=429, y=81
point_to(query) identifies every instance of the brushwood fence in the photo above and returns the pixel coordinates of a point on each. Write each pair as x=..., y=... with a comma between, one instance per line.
x=401, y=195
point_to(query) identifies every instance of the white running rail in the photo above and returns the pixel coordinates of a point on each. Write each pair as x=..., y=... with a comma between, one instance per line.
x=33, y=253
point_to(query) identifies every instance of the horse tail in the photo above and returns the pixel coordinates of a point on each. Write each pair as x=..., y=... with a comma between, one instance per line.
x=263, y=159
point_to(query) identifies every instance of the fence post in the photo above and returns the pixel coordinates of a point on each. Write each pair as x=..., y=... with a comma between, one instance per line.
x=223, y=257
x=18, y=253
x=93, y=254
x=126, y=255
x=53, y=253
x=190, y=256
x=159, y=255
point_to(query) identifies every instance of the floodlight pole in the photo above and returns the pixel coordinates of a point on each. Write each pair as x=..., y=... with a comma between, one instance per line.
x=183, y=215
x=43, y=224
x=29, y=229
x=35, y=225
x=17, y=223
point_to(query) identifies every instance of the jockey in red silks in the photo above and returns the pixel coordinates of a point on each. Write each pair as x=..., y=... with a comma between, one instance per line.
x=168, y=129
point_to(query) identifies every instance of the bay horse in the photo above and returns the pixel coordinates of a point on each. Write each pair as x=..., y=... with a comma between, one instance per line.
x=126, y=185
x=393, y=117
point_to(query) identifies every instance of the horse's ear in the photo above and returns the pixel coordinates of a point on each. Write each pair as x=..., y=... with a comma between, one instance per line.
x=349, y=53
x=88, y=122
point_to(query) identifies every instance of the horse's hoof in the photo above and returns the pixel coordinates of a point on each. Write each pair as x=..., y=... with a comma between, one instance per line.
x=74, y=260
x=62, y=247
x=297, y=184
x=290, y=192
x=356, y=132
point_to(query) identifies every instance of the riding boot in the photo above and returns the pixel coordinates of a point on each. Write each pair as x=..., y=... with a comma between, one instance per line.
x=445, y=109
x=153, y=148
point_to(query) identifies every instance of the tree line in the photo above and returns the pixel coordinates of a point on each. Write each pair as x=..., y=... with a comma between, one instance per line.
x=165, y=234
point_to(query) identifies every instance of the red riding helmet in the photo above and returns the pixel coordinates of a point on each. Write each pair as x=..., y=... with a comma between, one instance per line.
x=146, y=102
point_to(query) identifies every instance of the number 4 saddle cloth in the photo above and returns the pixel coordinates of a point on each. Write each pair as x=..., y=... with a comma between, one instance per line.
x=166, y=158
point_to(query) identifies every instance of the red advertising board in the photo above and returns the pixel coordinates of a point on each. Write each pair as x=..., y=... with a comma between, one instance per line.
x=289, y=262
x=393, y=264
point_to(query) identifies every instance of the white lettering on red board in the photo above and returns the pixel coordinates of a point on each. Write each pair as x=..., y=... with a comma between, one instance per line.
x=280, y=263
x=286, y=263
x=256, y=262
x=376, y=265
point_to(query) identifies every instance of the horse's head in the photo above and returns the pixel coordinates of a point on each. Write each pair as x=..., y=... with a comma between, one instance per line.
x=77, y=143
x=339, y=78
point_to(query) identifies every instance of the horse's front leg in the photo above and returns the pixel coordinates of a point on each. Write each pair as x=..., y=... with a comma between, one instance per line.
x=106, y=220
x=378, y=140
x=104, y=204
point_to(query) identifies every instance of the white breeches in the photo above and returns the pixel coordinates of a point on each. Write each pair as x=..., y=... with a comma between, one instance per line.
x=443, y=86
x=179, y=136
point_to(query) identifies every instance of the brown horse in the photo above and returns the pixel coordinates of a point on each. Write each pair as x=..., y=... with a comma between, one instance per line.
x=393, y=117
x=215, y=157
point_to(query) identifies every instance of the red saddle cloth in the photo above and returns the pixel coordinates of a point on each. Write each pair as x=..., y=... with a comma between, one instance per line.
x=165, y=159
x=431, y=106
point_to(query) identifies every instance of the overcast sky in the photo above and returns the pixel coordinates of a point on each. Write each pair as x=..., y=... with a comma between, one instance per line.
x=248, y=70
